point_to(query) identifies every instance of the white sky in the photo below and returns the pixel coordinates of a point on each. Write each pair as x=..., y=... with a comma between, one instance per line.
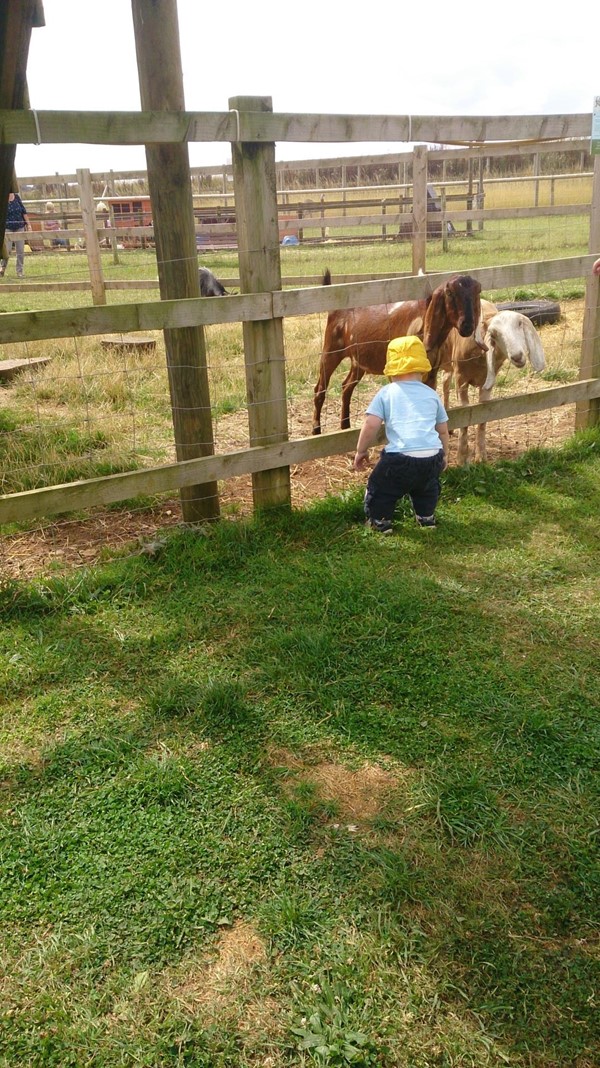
x=515, y=58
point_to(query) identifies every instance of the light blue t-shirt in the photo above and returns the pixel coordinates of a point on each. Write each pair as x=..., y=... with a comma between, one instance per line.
x=410, y=411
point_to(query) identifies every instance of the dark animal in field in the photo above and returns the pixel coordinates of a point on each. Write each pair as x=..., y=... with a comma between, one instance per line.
x=507, y=335
x=362, y=335
x=210, y=285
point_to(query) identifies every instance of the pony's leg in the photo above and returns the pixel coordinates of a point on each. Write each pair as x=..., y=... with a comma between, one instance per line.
x=480, y=443
x=330, y=360
x=462, y=456
x=355, y=374
x=447, y=377
x=446, y=383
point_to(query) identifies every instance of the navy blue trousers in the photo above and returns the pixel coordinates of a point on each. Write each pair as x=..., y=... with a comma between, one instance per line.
x=395, y=475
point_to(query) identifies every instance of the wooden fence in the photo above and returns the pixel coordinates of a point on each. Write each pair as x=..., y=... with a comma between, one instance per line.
x=477, y=160
x=298, y=219
x=252, y=128
x=308, y=219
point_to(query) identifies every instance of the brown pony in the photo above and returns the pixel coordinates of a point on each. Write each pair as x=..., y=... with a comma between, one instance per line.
x=363, y=334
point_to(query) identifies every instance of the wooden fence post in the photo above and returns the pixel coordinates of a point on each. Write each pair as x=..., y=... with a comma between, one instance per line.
x=92, y=244
x=114, y=242
x=588, y=412
x=63, y=210
x=419, y=207
x=260, y=272
x=161, y=89
x=469, y=223
x=536, y=175
x=479, y=200
x=16, y=22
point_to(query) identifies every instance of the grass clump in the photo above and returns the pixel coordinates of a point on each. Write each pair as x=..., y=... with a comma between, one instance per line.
x=51, y=452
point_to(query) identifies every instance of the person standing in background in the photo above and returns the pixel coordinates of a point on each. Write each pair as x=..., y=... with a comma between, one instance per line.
x=52, y=223
x=17, y=222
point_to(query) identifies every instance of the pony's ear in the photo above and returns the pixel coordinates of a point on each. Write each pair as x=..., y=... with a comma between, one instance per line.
x=437, y=322
x=415, y=327
x=479, y=336
x=490, y=361
x=534, y=344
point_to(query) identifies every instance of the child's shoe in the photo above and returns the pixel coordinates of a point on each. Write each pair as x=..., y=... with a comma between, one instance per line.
x=426, y=521
x=382, y=526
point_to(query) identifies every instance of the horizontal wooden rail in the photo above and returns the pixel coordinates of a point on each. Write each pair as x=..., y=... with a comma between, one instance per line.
x=393, y=189
x=32, y=504
x=388, y=191
x=127, y=318
x=489, y=214
x=523, y=403
x=387, y=159
x=94, y=492
x=152, y=283
x=219, y=170
x=362, y=294
x=315, y=217
x=290, y=282
x=194, y=311
x=316, y=220
x=144, y=127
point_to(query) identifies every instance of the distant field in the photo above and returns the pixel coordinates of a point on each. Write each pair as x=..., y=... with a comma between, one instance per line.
x=500, y=242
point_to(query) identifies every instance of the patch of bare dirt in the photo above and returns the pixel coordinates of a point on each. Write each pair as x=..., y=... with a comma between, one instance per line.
x=228, y=976
x=358, y=792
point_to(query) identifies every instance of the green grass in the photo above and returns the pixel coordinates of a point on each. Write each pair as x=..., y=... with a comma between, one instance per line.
x=284, y=793
x=501, y=241
x=39, y=455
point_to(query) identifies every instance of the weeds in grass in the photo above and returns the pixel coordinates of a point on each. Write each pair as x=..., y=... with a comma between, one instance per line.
x=38, y=455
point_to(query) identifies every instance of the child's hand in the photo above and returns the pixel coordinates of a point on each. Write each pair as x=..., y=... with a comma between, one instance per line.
x=360, y=461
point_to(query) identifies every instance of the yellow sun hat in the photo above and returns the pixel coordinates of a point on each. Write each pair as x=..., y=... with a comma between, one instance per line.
x=406, y=355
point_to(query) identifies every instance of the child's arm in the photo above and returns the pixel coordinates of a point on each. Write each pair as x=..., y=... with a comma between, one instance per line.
x=442, y=429
x=367, y=437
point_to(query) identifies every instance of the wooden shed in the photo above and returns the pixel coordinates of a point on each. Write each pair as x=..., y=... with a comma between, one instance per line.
x=130, y=211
